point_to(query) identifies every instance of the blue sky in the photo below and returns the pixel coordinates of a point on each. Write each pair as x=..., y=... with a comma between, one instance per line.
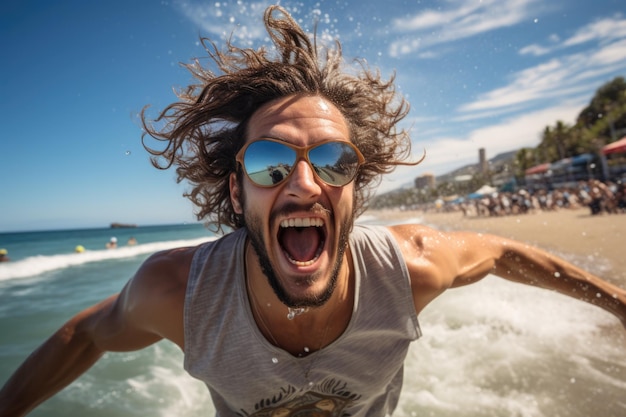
x=75, y=75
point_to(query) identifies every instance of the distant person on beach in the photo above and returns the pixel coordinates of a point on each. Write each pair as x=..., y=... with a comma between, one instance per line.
x=620, y=198
x=112, y=243
x=131, y=241
x=4, y=255
x=297, y=309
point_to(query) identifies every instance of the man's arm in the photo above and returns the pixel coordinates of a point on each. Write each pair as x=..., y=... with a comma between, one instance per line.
x=148, y=309
x=441, y=260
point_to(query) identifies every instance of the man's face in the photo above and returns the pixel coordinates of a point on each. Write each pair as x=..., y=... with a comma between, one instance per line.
x=301, y=263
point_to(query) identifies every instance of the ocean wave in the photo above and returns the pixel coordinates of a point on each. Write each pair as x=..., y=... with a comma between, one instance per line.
x=40, y=264
x=500, y=348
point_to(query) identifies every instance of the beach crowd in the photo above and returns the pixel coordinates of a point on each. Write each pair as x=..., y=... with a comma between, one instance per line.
x=599, y=197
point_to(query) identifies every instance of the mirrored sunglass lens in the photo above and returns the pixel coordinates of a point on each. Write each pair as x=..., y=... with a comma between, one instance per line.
x=335, y=163
x=268, y=163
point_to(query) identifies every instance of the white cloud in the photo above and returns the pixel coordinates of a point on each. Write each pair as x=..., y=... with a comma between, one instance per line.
x=604, y=29
x=611, y=54
x=461, y=20
x=536, y=50
x=522, y=131
x=601, y=31
x=527, y=85
x=431, y=18
x=241, y=19
x=556, y=78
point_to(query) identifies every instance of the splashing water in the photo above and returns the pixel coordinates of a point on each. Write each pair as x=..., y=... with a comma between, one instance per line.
x=293, y=312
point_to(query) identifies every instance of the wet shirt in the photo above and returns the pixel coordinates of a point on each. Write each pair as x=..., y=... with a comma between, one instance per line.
x=359, y=374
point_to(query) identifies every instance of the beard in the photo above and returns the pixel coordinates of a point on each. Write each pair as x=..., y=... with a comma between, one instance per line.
x=255, y=232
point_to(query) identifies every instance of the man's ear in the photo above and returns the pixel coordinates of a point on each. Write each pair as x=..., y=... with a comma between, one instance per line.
x=235, y=193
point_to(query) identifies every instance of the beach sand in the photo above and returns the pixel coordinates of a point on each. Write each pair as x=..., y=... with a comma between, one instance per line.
x=595, y=243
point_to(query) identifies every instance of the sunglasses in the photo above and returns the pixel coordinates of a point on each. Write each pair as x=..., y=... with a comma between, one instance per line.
x=269, y=162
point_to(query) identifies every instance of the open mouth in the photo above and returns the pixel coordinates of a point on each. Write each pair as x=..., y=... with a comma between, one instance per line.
x=302, y=239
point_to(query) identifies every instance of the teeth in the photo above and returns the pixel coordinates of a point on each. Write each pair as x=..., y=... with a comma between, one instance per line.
x=299, y=263
x=302, y=222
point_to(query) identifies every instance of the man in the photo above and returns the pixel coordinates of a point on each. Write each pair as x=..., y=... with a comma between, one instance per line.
x=298, y=311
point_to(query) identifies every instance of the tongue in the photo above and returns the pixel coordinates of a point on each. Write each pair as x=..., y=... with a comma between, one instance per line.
x=300, y=242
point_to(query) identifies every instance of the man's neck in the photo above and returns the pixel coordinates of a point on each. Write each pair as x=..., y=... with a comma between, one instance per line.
x=306, y=332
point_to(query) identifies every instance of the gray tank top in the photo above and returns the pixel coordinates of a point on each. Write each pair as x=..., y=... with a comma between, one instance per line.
x=359, y=374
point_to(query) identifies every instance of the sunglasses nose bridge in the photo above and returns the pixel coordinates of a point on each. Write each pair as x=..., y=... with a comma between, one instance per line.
x=302, y=154
x=303, y=176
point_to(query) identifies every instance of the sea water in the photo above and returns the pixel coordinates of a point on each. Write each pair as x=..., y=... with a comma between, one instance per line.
x=491, y=349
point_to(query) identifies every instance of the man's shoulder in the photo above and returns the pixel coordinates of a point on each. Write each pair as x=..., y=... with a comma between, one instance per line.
x=153, y=300
x=396, y=231
x=176, y=262
x=166, y=269
x=412, y=230
x=410, y=239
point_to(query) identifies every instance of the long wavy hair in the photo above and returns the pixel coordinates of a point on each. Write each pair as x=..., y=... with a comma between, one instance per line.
x=205, y=129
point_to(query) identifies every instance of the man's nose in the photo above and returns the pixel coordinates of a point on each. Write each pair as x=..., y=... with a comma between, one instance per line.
x=303, y=182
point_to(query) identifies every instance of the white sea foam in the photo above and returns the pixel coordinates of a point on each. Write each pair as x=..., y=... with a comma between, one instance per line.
x=151, y=382
x=498, y=348
x=36, y=265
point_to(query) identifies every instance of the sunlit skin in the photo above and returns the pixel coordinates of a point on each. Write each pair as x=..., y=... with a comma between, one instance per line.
x=301, y=121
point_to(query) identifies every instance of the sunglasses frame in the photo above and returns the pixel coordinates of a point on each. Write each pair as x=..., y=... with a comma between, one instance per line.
x=302, y=153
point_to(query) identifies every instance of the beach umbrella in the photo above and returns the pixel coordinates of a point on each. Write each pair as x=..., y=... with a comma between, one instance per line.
x=485, y=190
x=538, y=169
x=615, y=147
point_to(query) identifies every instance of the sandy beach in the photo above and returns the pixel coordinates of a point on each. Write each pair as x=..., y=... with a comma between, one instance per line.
x=595, y=243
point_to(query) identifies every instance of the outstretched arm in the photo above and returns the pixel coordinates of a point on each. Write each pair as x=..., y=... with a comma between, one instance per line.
x=441, y=260
x=57, y=362
x=148, y=309
x=529, y=265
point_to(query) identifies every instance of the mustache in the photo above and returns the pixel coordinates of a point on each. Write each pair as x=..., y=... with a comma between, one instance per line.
x=291, y=208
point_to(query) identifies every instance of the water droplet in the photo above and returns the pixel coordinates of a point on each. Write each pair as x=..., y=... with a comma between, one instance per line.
x=557, y=274
x=127, y=153
x=306, y=349
x=310, y=383
x=293, y=312
x=274, y=360
x=598, y=295
x=536, y=20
